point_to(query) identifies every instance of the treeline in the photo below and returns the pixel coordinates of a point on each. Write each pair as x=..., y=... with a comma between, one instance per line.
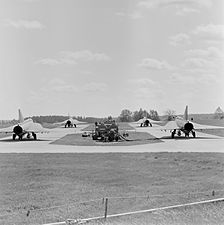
x=125, y=116
x=128, y=116
x=54, y=119
x=51, y=120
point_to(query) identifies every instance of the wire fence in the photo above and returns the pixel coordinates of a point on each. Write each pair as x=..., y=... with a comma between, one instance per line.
x=101, y=207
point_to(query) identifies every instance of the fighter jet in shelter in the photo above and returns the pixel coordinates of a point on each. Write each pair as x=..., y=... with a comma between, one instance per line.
x=24, y=128
x=70, y=122
x=146, y=122
x=183, y=125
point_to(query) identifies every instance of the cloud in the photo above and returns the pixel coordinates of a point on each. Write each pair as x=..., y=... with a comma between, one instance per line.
x=210, y=32
x=211, y=53
x=57, y=85
x=132, y=15
x=154, y=64
x=84, y=55
x=142, y=82
x=191, y=80
x=180, y=39
x=164, y=3
x=95, y=87
x=197, y=63
x=59, y=88
x=72, y=58
x=54, y=88
x=146, y=89
x=24, y=24
x=48, y=61
x=183, y=11
x=30, y=1
x=200, y=66
x=182, y=7
x=181, y=78
x=204, y=61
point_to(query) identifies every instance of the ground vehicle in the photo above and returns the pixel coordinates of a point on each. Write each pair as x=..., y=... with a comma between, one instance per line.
x=106, y=131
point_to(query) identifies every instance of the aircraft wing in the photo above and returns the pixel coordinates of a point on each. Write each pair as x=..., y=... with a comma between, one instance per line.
x=74, y=121
x=150, y=120
x=61, y=123
x=7, y=130
x=36, y=128
x=29, y=127
x=139, y=121
x=157, y=122
x=198, y=126
x=171, y=125
x=78, y=122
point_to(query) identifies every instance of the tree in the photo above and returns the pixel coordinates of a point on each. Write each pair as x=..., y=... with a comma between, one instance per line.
x=125, y=116
x=170, y=114
x=153, y=114
x=219, y=114
x=110, y=118
x=137, y=115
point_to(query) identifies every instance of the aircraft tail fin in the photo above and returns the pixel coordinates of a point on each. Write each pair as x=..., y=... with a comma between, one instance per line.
x=69, y=116
x=21, y=118
x=186, y=113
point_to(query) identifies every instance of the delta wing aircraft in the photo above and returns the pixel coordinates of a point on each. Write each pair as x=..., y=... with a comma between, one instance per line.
x=183, y=125
x=24, y=127
x=146, y=122
x=70, y=122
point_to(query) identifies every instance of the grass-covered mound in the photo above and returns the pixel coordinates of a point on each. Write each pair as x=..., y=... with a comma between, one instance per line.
x=134, y=138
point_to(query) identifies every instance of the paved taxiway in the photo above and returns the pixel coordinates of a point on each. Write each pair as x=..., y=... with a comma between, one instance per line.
x=203, y=143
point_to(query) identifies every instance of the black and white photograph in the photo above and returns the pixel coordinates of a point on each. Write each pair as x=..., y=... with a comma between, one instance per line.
x=112, y=112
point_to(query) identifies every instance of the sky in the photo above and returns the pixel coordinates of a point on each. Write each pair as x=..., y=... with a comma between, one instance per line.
x=98, y=57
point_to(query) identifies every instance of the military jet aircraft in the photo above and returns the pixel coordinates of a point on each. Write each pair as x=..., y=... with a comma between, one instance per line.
x=24, y=127
x=146, y=122
x=183, y=125
x=70, y=122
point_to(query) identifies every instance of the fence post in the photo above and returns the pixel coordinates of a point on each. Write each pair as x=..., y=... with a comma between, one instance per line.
x=106, y=205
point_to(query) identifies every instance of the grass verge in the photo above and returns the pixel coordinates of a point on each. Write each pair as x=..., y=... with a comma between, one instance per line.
x=36, y=181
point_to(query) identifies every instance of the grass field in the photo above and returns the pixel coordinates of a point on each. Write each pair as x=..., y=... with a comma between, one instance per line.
x=208, y=214
x=212, y=122
x=35, y=181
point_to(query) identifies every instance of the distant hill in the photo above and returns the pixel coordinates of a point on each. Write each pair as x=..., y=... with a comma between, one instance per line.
x=207, y=119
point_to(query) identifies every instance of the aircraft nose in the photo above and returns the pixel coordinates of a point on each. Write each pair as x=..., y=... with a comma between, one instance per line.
x=188, y=126
x=18, y=130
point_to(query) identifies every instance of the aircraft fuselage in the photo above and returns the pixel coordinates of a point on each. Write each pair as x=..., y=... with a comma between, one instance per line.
x=184, y=126
x=20, y=130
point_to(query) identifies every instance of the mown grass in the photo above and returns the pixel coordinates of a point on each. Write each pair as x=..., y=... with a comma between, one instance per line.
x=35, y=181
x=206, y=214
x=212, y=122
x=217, y=132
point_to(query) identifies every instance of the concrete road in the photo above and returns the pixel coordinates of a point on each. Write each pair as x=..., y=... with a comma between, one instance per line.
x=203, y=143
